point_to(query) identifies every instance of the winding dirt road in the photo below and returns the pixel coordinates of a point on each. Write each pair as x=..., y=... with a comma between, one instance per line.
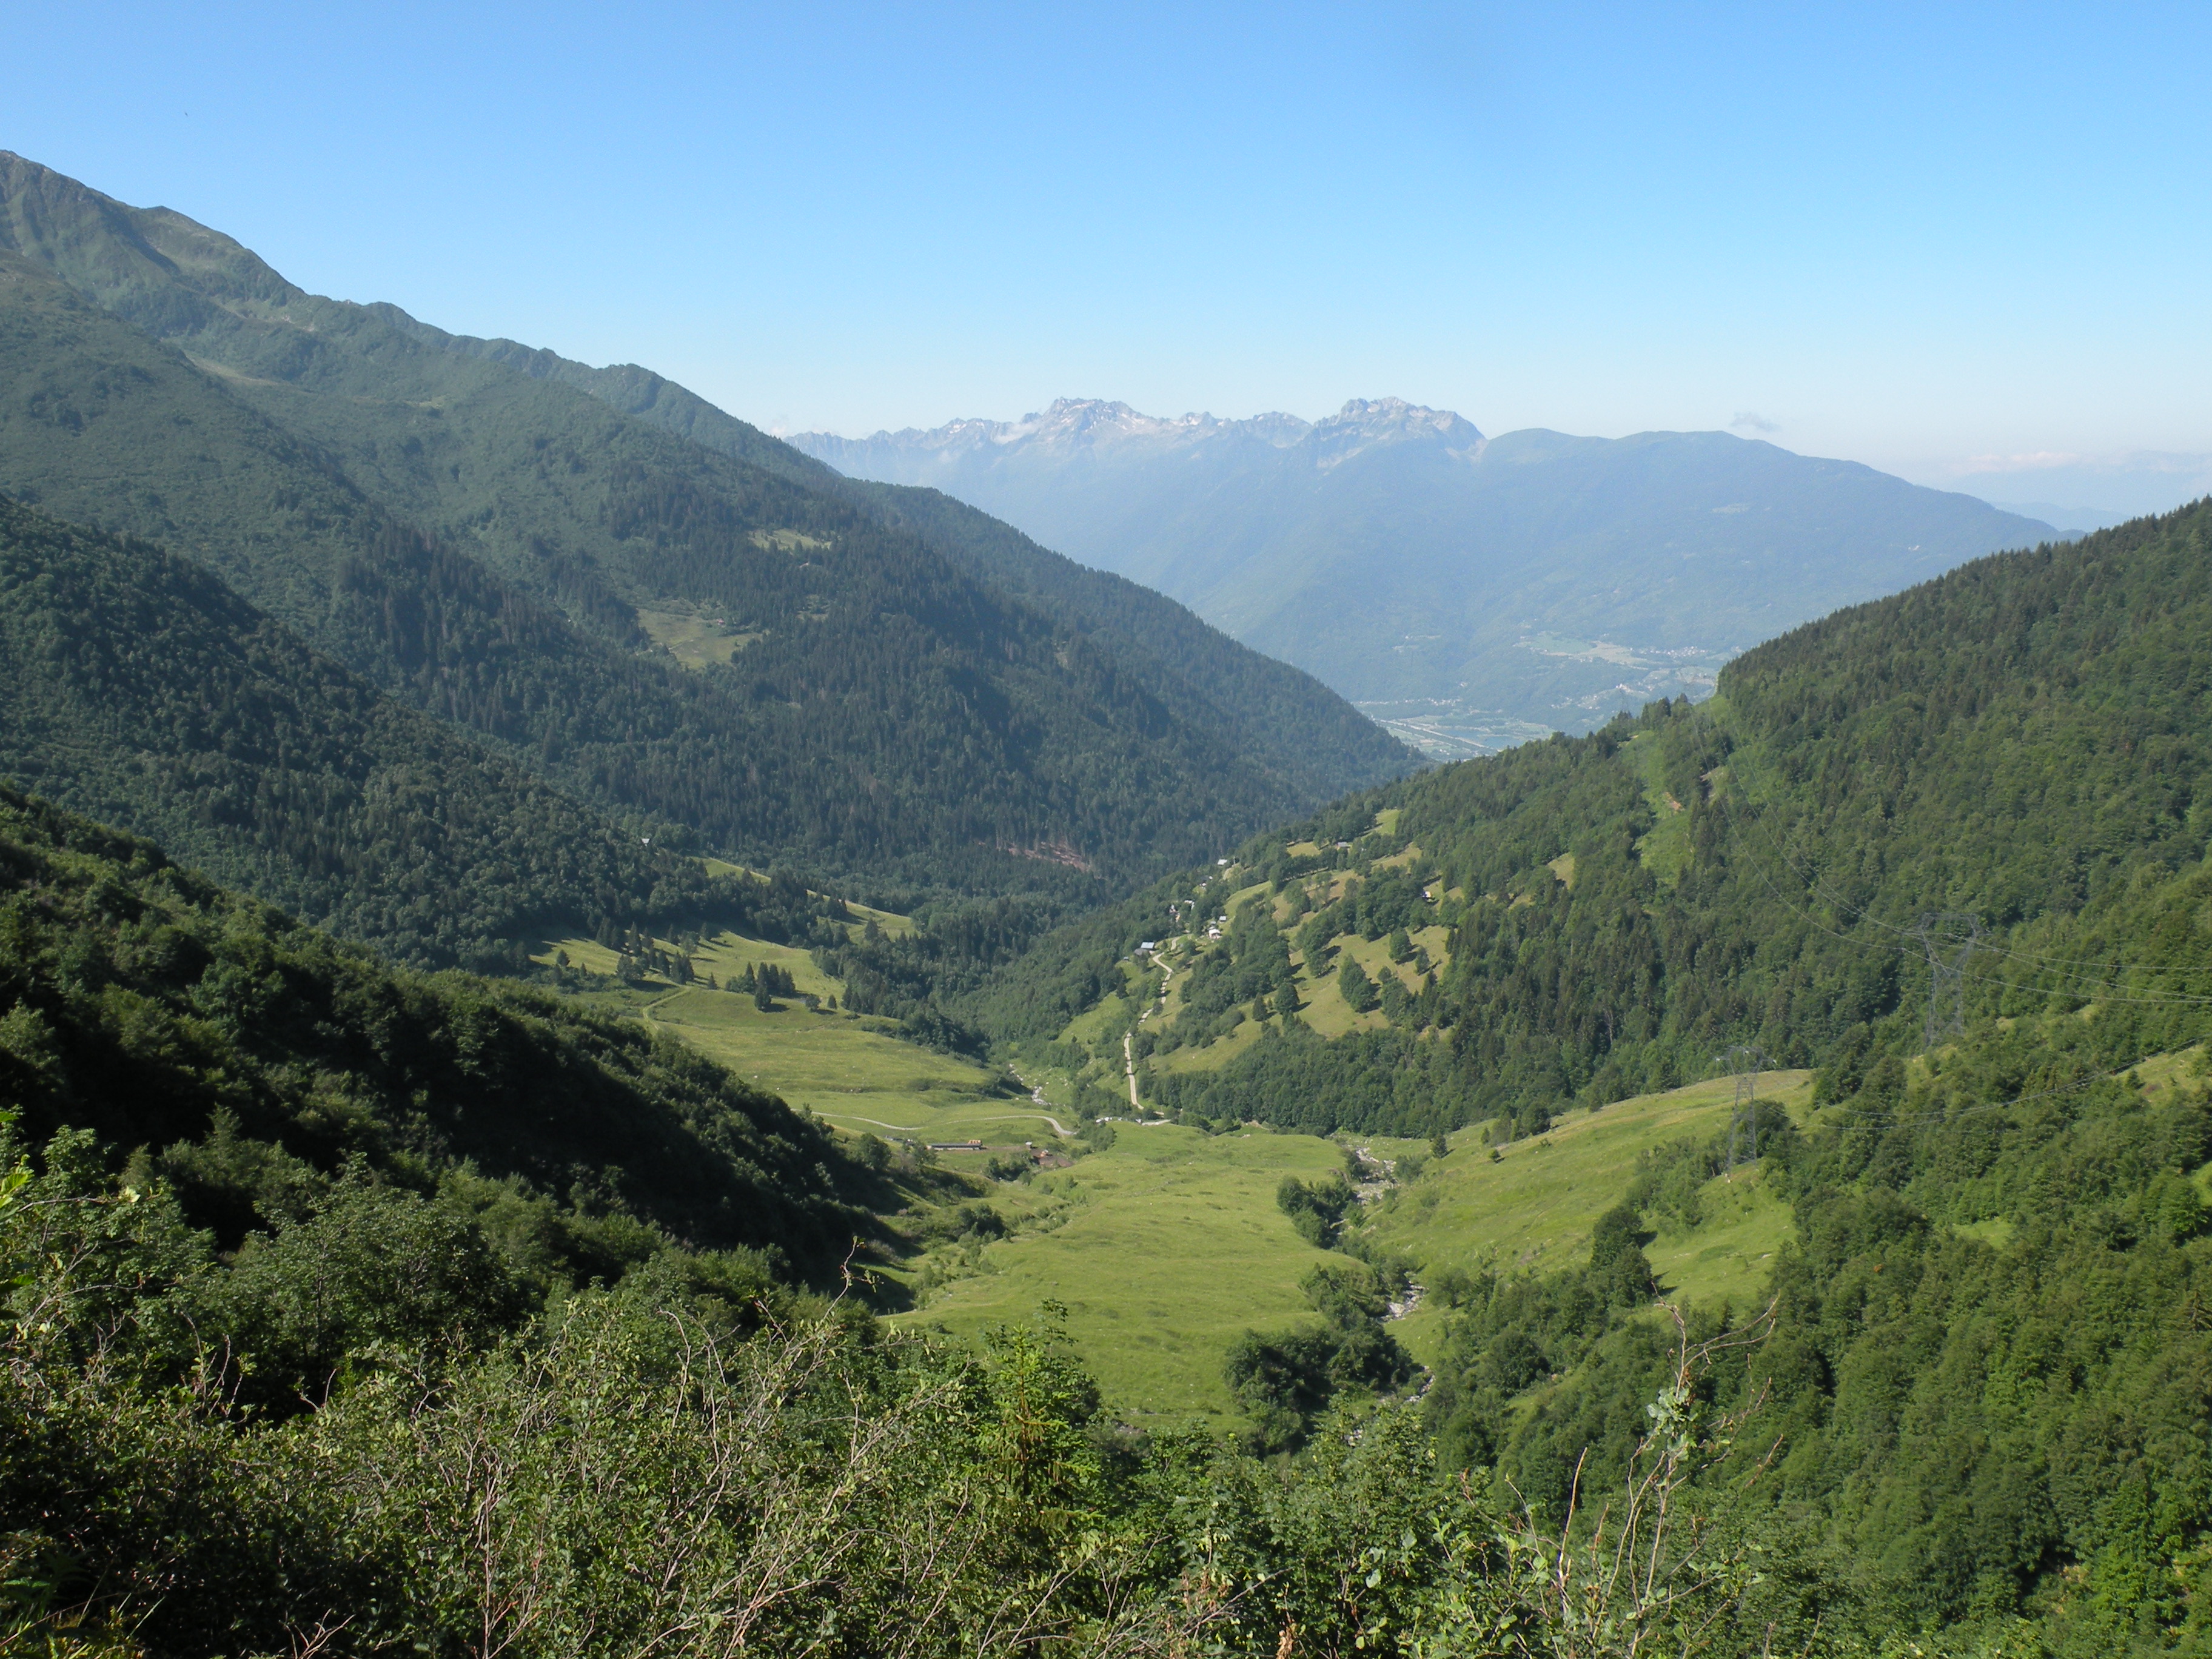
x=1128, y=1058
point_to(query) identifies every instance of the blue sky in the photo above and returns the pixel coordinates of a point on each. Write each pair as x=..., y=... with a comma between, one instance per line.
x=1973, y=245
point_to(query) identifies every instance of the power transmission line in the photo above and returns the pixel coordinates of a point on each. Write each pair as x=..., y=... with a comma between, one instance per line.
x=1861, y=1119
x=1747, y=1060
x=1948, y=938
x=2109, y=986
x=2056, y=964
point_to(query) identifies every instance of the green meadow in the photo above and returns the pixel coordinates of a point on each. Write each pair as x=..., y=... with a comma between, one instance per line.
x=1163, y=1249
x=1665, y=849
x=1168, y=1245
x=850, y=1070
x=1322, y=1005
x=1532, y=1209
x=694, y=640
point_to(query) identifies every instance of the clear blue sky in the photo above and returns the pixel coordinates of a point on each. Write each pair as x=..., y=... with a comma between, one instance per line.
x=1938, y=239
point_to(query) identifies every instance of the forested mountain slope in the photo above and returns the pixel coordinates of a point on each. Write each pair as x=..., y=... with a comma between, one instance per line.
x=2023, y=739
x=1279, y=713
x=1981, y=1396
x=661, y=625
x=1317, y=741
x=250, y=1058
x=137, y=688
x=1472, y=587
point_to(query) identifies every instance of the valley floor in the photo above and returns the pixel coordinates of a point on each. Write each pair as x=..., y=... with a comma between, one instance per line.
x=1168, y=1246
x=1164, y=1249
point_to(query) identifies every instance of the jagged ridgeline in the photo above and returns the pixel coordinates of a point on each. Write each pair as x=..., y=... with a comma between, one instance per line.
x=249, y=1059
x=2023, y=742
x=647, y=603
x=138, y=688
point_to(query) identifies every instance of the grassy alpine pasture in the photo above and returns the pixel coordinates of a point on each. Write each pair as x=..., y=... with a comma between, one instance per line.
x=1532, y=1209
x=1164, y=1249
x=1217, y=1054
x=1665, y=848
x=1325, y=1010
x=1169, y=1246
x=1322, y=1005
x=850, y=1070
x=725, y=957
x=694, y=640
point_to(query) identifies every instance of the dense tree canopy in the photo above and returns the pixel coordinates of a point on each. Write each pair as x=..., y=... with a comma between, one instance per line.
x=2022, y=740
x=137, y=688
x=249, y=1060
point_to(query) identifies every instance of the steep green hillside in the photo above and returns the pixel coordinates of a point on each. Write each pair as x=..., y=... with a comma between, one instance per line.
x=1316, y=740
x=505, y=548
x=250, y=1060
x=1277, y=714
x=861, y=1072
x=2023, y=739
x=1981, y=1391
x=1530, y=1208
x=135, y=687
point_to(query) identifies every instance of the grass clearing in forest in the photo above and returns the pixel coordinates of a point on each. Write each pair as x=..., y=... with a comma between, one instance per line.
x=1168, y=1247
x=850, y=1070
x=695, y=641
x=1532, y=1210
x=1322, y=1005
x=1665, y=850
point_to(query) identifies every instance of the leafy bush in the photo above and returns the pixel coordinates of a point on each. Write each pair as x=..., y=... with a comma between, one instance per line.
x=1316, y=1208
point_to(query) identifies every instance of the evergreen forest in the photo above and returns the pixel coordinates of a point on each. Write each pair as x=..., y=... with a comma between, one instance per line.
x=140, y=690
x=2022, y=740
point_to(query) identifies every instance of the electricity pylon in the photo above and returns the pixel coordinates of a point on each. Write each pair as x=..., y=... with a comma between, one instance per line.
x=1948, y=938
x=1747, y=1060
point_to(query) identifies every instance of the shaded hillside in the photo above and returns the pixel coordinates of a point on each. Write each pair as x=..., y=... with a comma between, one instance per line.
x=252, y=1057
x=662, y=626
x=2023, y=739
x=1318, y=742
x=1472, y=589
x=135, y=687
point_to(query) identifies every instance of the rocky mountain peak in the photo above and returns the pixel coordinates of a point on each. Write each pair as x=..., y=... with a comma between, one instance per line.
x=1071, y=423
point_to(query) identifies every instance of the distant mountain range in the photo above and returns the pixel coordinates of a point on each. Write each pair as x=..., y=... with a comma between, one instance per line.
x=1469, y=591
x=611, y=587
